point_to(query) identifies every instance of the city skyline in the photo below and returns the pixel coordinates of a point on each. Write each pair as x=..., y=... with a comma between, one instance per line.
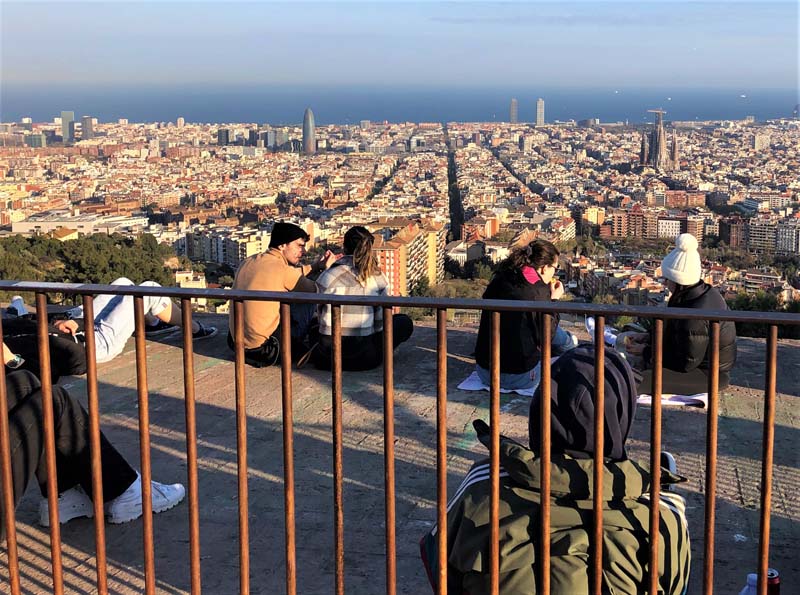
x=695, y=45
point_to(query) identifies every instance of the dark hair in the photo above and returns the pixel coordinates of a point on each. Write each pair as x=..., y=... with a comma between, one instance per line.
x=536, y=254
x=358, y=243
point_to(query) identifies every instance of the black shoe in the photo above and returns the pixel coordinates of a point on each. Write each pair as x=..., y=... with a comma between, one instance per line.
x=204, y=332
x=162, y=328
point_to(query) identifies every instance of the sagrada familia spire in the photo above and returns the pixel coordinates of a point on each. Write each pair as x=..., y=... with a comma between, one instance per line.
x=654, y=153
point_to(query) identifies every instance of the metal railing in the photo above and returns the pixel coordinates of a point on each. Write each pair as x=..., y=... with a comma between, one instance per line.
x=547, y=309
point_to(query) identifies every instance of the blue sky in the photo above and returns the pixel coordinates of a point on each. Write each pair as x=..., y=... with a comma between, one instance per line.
x=387, y=44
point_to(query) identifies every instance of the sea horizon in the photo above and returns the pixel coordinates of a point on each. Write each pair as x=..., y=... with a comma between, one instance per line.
x=340, y=104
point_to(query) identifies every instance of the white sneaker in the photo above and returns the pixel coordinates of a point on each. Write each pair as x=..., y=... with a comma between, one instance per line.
x=128, y=506
x=72, y=504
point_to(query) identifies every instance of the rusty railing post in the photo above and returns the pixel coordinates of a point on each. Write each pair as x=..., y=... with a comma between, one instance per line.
x=191, y=445
x=338, y=471
x=711, y=460
x=655, y=452
x=388, y=449
x=768, y=444
x=94, y=438
x=599, y=456
x=288, y=447
x=49, y=441
x=144, y=446
x=494, y=458
x=241, y=449
x=6, y=476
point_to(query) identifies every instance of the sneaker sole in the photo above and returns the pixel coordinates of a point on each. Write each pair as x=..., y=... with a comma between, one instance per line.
x=161, y=333
x=122, y=521
x=208, y=336
x=44, y=521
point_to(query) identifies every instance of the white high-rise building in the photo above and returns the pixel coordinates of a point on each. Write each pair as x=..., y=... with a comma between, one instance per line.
x=540, y=112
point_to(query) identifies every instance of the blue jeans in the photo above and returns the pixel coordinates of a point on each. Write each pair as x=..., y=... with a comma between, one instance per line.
x=509, y=381
x=562, y=342
x=114, y=321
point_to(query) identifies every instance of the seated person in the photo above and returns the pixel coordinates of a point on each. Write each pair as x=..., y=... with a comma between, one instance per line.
x=527, y=274
x=686, y=348
x=122, y=485
x=626, y=485
x=357, y=273
x=114, y=324
x=277, y=269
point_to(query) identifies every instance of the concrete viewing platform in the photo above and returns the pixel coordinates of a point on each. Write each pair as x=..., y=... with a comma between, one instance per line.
x=739, y=470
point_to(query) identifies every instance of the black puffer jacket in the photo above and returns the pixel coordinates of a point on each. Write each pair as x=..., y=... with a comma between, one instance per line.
x=687, y=342
x=520, y=332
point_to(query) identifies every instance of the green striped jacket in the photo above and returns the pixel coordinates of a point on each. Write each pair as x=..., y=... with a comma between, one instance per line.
x=626, y=519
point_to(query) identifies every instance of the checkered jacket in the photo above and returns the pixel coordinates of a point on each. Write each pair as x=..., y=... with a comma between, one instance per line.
x=342, y=279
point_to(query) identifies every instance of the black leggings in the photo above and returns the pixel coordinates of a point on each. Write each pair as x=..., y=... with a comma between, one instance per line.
x=73, y=452
x=363, y=353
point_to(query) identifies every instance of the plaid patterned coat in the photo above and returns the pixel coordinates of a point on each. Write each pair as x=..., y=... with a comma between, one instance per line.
x=342, y=279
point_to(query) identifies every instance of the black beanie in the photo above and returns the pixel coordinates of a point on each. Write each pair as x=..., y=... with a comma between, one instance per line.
x=572, y=405
x=285, y=233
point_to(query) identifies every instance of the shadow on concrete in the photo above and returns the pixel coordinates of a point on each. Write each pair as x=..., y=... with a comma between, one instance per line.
x=415, y=419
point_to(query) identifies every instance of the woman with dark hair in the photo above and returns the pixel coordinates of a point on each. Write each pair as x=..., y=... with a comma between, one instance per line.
x=357, y=273
x=527, y=274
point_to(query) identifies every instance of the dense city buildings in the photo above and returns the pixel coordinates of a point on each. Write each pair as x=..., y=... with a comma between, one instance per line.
x=464, y=192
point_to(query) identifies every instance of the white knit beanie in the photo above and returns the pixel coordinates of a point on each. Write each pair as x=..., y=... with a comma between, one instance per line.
x=682, y=265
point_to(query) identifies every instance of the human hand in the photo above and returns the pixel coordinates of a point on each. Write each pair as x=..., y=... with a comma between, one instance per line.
x=635, y=343
x=556, y=289
x=329, y=258
x=68, y=327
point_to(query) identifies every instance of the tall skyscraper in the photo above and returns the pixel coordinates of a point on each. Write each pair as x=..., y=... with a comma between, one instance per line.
x=180, y=122
x=658, y=143
x=514, y=113
x=309, y=133
x=643, y=150
x=673, y=155
x=87, y=128
x=68, y=127
x=540, y=112
x=223, y=137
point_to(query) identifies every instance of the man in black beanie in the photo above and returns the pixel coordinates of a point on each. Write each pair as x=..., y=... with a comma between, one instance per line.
x=626, y=510
x=277, y=269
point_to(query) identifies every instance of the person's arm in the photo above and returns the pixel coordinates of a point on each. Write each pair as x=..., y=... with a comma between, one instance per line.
x=685, y=344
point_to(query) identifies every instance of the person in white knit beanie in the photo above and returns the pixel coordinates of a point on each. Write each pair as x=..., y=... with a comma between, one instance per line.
x=686, y=343
x=682, y=265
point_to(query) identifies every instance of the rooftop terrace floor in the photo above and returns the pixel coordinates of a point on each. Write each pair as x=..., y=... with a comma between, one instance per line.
x=740, y=431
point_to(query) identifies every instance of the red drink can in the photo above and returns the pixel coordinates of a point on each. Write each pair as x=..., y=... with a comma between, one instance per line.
x=773, y=582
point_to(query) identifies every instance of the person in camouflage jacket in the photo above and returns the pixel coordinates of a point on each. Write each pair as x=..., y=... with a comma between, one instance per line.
x=626, y=485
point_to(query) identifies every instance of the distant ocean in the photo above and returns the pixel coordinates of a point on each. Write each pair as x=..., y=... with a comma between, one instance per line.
x=349, y=105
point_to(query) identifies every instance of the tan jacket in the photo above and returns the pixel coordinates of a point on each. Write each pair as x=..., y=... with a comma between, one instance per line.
x=268, y=271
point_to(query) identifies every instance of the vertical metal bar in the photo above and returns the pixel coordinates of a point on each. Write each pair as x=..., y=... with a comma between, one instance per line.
x=441, y=444
x=144, y=446
x=49, y=441
x=9, y=518
x=711, y=460
x=655, y=452
x=599, y=456
x=191, y=444
x=241, y=448
x=288, y=448
x=388, y=449
x=494, y=458
x=94, y=438
x=338, y=475
x=544, y=536
x=766, y=457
